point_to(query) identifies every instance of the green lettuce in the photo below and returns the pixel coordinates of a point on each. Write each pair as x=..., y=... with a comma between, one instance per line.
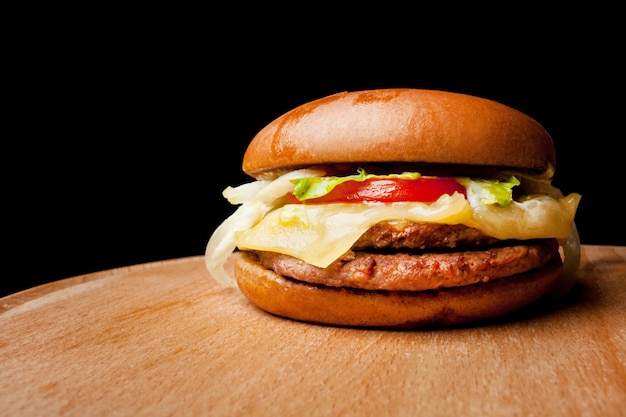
x=480, y=191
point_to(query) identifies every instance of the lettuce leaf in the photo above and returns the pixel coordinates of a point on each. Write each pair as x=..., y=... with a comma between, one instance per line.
x=486, y=192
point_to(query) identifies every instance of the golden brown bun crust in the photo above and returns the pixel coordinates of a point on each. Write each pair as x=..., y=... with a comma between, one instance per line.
x=345, y=307
x=401, y=125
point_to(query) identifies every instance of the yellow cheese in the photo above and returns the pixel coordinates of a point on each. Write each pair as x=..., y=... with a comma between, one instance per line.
x=320, y=234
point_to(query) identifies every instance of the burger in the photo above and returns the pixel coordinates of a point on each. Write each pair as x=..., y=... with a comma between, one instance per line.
x=398, y=208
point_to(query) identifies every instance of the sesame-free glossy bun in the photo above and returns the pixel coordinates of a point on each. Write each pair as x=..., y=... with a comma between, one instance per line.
x=401, y=125
x=389, y=309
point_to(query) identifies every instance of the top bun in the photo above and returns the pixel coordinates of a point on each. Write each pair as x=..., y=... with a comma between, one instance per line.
x=399, y=126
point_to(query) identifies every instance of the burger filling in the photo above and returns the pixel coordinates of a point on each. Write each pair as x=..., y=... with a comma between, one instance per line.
x=395, y=232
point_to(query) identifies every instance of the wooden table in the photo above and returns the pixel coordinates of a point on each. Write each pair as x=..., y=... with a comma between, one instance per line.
x=165, y=339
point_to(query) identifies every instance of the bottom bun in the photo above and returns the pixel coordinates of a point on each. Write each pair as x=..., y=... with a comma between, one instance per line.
x=342, y=306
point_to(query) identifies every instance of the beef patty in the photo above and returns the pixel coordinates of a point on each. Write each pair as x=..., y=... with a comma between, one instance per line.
x=413, y=268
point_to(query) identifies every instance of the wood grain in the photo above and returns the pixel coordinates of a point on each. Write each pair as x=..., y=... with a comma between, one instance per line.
x=165, y=339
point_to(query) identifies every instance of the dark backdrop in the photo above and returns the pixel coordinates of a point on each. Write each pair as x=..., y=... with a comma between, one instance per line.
x=124, y=145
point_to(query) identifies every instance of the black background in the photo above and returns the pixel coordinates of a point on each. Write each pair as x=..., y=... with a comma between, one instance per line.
x=126, y=134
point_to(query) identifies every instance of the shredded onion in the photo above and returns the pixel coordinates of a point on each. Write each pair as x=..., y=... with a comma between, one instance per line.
x=571, y=264
x=256, y=201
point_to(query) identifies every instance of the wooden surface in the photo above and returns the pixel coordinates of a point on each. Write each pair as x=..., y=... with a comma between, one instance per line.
x=165, y=339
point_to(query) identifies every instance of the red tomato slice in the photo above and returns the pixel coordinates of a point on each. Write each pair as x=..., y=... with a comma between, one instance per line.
x=386, y=190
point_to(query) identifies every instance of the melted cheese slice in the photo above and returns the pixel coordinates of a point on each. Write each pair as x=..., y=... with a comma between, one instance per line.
x=320, y=234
